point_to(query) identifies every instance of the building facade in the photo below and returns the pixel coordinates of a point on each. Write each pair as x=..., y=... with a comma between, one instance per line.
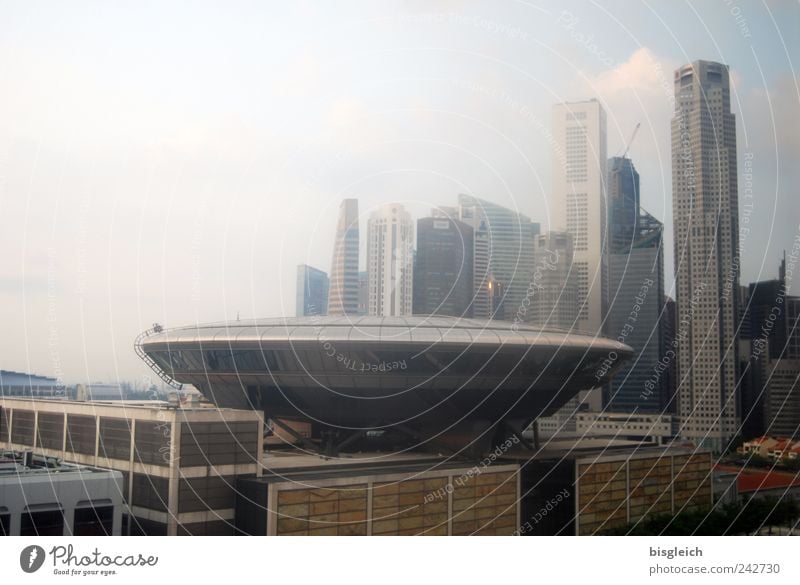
x=503, y=257
x=179, y=466
x=579, y=202
x=443, y=267
x=706, y=231
x=343, y=289
x=390, y=261
x=636, y=294
x=554, y=292
x=311, y=292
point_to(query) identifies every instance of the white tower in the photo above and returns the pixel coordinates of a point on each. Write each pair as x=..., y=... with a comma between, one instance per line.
x=390, y=260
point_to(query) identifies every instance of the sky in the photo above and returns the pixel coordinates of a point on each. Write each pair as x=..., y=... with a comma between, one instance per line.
x=174, y=162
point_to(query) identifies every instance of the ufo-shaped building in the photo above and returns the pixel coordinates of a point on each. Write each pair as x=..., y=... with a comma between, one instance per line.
x=430, y=376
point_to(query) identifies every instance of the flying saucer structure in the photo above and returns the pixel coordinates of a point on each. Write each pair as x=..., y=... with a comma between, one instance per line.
x=433, y=376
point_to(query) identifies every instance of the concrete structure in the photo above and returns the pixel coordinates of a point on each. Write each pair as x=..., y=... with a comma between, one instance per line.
x=782, y=398
x=553, y=288
x=390, y=261
x=579, y=202
x=503, y=256
x=98, y=391
x=443, y=267
x=21, y=384
x=608, y=484
x=178, y=466
x=343, y=291
x=468, y=380
x=379, y=494
x=47, y=497
x=647, y=428
x=706, y=219
x=311, y=297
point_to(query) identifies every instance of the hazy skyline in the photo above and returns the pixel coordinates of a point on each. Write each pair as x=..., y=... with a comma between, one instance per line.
x=174, y=163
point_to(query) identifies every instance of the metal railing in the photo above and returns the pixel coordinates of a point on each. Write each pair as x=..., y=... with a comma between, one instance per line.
x=137, y=347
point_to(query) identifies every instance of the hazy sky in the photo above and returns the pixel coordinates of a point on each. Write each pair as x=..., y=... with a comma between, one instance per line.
x=175, y=161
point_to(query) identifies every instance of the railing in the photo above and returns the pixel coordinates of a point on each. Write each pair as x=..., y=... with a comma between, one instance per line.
x=137, y=347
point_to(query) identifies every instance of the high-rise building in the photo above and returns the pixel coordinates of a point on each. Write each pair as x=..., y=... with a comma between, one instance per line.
x=503, y=257
x=579, y=202
x=623, y=202
x=554, y=294
x=636, y=293
x=667, y=371
x=363, y=293
x=343, y=291
x=636, y=290
x=390, y=261
x=312, y=291
x=443, y=267
x=770, y=395
x=706, y=231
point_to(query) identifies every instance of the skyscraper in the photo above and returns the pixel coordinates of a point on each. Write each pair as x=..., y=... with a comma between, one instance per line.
x=636, y=294
x=343, y=292
x=770, y=394
x=311, y=292
x=706, y=220
x=505, y=238
x=623, y=202
x=554, y=301
x=443, y=267
x=390, y=261
x=579, y=202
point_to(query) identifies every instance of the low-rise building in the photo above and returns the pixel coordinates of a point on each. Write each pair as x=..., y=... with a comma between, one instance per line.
x=43, y=496
x=178, y=465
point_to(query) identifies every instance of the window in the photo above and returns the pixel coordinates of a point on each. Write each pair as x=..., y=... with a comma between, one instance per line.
x=5, y=525
x=94, y=521
x=43, y=523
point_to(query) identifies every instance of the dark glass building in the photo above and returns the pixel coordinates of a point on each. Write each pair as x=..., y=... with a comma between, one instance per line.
x=443, y=268
x=636, y=295
x=311, y=292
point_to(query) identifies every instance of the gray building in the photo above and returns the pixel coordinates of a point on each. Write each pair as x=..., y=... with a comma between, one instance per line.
x=705, y=212
x=311, y=291
x=22, y=384
x=553, y=291
x=41, y=496
x=343, y=290
x=770, y=380
x=178, y=466
x=508, y=247
x=636, y=294
x=443, y=267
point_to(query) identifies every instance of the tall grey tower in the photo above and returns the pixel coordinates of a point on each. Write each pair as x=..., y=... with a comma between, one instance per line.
x=579, y=202
x=706, y=224
x=343, y=291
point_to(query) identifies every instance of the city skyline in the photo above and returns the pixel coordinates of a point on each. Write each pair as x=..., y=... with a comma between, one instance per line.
x=200, y=189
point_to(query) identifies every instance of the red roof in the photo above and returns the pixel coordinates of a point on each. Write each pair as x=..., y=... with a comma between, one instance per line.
x=781, y=445
x=754, y=479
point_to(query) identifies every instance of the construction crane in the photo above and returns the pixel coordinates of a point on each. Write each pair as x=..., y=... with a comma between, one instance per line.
x=628, y=146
